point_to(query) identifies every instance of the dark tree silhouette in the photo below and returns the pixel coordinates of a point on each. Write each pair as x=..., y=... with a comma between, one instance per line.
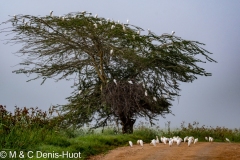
x=117, y=72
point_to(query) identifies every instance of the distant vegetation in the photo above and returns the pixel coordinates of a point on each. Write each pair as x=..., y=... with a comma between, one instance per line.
x=35, y=130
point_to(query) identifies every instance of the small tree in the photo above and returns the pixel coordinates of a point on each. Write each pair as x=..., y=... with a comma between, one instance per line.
x=118, y=73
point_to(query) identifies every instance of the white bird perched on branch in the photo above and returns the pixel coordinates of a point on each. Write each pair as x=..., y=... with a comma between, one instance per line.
x=146, y=94
x=149, y=31
x=80, y=91
x=227, y=140
x=51, y=13
x=95, y=25
x=154, y=98
x=15, y=17
x=138, y=32
x=115, y=81
x=124, y=29
x=130, y=143
x=63, y=18
x=173, y=32
x=127, y=21
x=100, y=22
x=130, y=82
x=112, y=27
x=96, y=15
x=133, y=36
x=195, y=140
x=23, y=20
x=111, y=51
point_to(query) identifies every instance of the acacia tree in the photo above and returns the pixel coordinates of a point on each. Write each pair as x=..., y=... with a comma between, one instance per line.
x=117, y=72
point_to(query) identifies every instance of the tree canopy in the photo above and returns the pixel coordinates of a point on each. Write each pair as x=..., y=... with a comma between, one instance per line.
x=118, y=73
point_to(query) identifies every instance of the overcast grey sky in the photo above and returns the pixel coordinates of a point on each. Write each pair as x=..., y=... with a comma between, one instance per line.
x=211, y=101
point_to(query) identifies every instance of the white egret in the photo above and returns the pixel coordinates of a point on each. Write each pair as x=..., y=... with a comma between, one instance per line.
x=112, y=27
x=157, y=140
x=130, y=82
x=23, y=20
x=170, y=142
x=195, y=140
x=210, y=139
x=206, y=138
x=138, y=32
x=80, y=91
x=189, y=142
x=133, y=36
x=118, y=21
x=51, y=13
x=25, y=23
x=149, y=31
x=124, y=29
x=63, y=18
x=15, y=17
x=173, y=32
x=65, y=32
x=185, y=139
x=115, y=81
x=146, y=94
x=179, y=140
x=96, y=16
x=127, y=21
x=141, y=143
x=130, y=143
x=153, y=142
x=111, y=51
x=95, y=25
x=138, y=141
x=154, y=98
x=100, y=22
x=227, y=140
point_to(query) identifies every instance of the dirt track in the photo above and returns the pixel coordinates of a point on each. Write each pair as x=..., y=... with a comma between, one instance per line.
x=201, y=150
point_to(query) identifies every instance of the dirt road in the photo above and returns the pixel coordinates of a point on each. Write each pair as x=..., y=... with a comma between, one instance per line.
x=201, y=150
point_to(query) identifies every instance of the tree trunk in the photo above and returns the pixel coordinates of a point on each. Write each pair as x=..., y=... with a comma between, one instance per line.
x=127, y=125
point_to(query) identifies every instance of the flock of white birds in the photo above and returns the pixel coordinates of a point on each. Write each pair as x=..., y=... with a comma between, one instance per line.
x=174, y=140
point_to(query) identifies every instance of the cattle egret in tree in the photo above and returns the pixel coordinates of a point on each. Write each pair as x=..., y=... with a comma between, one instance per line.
x=63, y=18
x=154, y=98
x=227, y=140
x=100, y=22
x=95, y=25
x=127, y=21
x=146, y=94
x=138, y=32
x=51, y=13
x=96, y=16
x=115, y=81
x=112, y=27
x=130, y=143
x=23, y=20
x=195, y=140
x=15, y=17
x=149, y=31
x=130, y=82
x=133, y=36
x=111, y=51
x=124, y=29
x=80, y=91
x=173, y=32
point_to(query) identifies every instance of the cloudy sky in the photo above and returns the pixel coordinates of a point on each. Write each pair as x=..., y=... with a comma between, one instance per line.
x=211, y=101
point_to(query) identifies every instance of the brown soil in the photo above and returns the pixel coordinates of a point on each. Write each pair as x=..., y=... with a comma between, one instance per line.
x=201, y=150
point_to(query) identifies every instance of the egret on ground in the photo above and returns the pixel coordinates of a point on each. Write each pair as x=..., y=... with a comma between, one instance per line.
x=130, y=143
x=189, y=141
x=179, y=140
x=227, y=140
x=206, y=138
x=170, y=142
x=157, y=140
x=210, y=139
x=153, y=142
x=195, y=140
